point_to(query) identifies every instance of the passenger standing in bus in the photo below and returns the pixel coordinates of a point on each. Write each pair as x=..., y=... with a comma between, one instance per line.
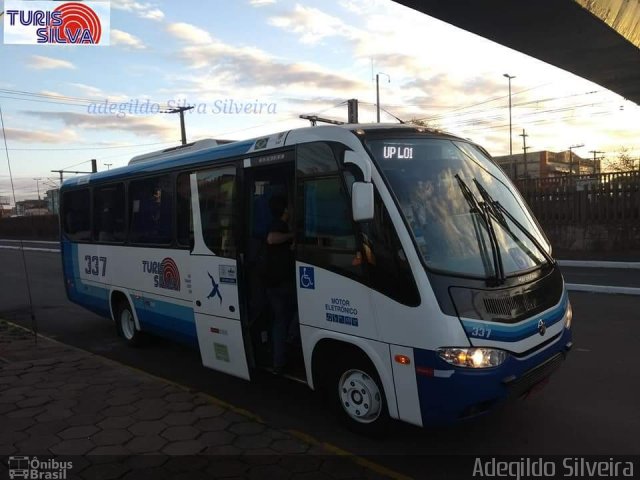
x=280, y=278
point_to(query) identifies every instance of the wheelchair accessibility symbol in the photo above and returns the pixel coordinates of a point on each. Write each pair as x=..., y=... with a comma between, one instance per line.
x=307, y=278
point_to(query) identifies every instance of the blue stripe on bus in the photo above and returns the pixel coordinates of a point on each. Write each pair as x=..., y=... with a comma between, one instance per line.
x=164, y=318
x=167, y=319
x=515, y=333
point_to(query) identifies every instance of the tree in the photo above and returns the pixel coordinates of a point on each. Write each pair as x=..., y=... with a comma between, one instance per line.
x=622, y=162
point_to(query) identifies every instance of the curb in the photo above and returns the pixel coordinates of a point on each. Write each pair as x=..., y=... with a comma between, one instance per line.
x=32, y=249
x=598, y=264
x=579, y=287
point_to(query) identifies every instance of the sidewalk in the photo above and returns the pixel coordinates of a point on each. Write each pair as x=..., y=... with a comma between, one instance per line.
x=112, y=422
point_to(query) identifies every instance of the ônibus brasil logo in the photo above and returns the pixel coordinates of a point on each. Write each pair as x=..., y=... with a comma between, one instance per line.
x=49, y=22
x=165, y=273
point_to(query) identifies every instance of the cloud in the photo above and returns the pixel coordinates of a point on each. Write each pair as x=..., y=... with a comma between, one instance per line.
x=118, y=37
x=143, y=10
x=46, y=63
x=261, y=3
x=142, y=126
x=189, y=33
x=313, y=25
x=39, y=136
x=248, y=67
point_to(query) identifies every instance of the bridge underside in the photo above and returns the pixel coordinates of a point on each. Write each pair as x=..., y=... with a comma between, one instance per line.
x=596, y=39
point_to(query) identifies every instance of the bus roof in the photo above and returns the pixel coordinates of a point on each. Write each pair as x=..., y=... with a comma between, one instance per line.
x=210, y=150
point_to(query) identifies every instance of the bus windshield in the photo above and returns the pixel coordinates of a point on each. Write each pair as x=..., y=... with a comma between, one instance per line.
x=448, y=191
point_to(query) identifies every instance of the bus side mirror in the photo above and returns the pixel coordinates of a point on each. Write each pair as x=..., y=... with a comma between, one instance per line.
x=362, y=201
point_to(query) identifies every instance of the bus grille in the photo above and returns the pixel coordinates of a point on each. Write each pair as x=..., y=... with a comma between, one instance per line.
x=534, y=376
x=508, y=306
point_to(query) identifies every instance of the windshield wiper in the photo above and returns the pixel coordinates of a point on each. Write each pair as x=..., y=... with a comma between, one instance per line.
x=481, y=210
x=499, y=212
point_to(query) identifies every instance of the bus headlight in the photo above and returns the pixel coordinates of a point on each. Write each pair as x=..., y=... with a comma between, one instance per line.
x=568, y=315
x=473, y=357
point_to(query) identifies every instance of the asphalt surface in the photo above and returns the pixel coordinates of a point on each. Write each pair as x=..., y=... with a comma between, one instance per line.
x=590, y=405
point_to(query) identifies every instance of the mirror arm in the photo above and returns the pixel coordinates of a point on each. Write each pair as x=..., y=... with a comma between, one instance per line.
x=363, y=163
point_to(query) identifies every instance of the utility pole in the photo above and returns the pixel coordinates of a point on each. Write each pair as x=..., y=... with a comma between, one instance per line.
x=378, y=92
x=524, y=149
x=352, y=113
x=38, y=186
x=595, y=152
x=108, y=165
x=571, y=158
x=181, y=111
x=513, y=164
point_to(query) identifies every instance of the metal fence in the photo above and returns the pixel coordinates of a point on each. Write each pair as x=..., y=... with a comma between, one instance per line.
x=605, y=198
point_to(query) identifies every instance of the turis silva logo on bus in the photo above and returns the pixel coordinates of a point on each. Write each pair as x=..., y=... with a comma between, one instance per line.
x=165, y=273
x=48, y=22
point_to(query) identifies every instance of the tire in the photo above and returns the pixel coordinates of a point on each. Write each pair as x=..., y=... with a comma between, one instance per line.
x=357, y=396
x=126, y=324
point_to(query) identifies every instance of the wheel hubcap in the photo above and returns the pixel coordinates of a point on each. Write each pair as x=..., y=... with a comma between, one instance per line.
x=360, y=396
x=127, y=324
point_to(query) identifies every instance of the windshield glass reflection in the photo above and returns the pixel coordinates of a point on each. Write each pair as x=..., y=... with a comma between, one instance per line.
x=451, y=234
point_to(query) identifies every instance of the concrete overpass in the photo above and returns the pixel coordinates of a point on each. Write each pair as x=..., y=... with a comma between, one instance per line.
x=596, y=39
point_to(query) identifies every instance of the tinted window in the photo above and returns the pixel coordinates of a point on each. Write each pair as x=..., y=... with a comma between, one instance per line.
x=325, y=227
x=77, y=214
x=314, y=158
x=184, y=219
x=108, y=213
x=150, y=204
x=387, y=264
x=217, y=192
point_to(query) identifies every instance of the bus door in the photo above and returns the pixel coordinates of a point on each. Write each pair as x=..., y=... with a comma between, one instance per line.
x=264, y=177
x=214, y=270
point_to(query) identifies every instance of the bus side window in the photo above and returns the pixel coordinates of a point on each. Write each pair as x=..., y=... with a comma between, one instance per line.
x=76, y=214
x=151, y=210
x=325, y=229
x=108, y=213
x=387, y=264
x=217, y=197
x=184, y=218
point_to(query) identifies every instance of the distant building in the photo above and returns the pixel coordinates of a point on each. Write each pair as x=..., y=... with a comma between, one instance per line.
x=28, y=208
x=544, y=164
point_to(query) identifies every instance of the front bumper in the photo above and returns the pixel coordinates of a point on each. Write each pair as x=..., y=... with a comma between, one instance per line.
x=454, y=393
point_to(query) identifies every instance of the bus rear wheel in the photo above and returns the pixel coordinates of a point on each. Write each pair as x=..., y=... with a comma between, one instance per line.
x=357, y=395
x=127, y=325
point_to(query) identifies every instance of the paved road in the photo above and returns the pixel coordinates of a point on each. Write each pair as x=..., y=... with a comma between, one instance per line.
x=589, y=407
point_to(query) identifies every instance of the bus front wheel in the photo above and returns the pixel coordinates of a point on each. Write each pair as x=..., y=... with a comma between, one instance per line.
x=358, y=397
x=127, y=325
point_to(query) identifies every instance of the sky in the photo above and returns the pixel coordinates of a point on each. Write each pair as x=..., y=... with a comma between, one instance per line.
x=283, y=58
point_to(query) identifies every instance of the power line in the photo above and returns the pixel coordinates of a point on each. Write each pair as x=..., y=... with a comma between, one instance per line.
x=34, y=325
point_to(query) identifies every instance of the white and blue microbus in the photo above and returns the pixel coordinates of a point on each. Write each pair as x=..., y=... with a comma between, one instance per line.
x=426, y=290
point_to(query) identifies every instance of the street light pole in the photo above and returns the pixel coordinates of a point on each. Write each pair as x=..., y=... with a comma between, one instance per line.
x=38, y=186
x=378, y=92
x=513, y=165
